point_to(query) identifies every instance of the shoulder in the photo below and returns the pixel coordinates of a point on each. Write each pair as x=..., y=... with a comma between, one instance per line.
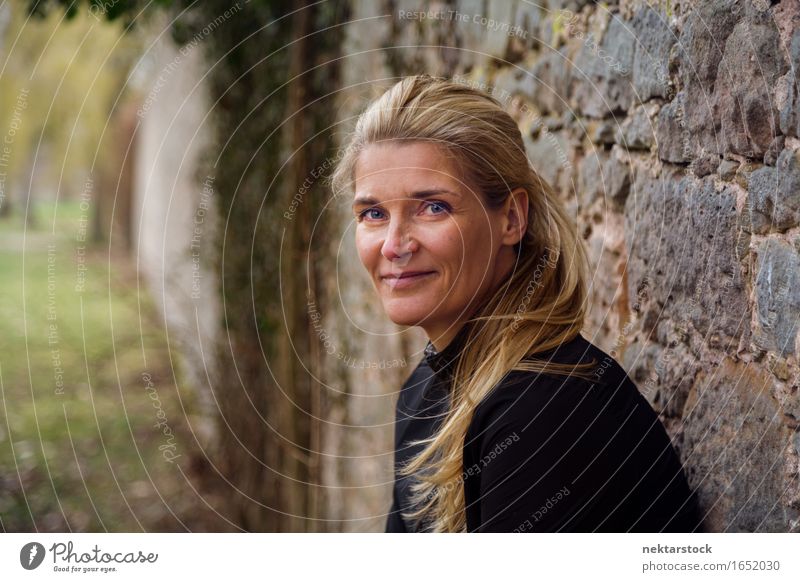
x=545, y=402
x=596, y=437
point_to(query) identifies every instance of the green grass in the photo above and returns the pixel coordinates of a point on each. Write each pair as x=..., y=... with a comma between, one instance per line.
x=85, y=456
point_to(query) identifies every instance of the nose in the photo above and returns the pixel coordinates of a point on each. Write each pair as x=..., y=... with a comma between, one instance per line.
x=399, y=245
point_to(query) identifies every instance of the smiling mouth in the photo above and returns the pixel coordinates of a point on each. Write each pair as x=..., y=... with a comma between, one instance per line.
x=405, y=280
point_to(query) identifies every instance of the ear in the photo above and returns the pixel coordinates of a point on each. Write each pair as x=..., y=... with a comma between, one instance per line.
x=515, y=215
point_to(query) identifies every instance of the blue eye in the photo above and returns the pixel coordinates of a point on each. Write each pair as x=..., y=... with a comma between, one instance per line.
x=364, y=214
x=441, y=205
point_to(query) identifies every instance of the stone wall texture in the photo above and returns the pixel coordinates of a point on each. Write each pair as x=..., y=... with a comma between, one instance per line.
x=672, y=131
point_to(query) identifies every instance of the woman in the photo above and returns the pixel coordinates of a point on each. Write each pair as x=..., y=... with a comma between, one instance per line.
x=512, y=421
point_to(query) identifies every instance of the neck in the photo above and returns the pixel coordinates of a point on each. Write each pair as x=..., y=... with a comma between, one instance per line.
x=441, y=336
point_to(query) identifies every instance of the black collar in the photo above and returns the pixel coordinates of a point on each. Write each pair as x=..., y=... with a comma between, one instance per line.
x=448, y=357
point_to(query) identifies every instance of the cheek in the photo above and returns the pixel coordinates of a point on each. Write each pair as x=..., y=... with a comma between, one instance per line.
x=361, y=247
x=476, y=248
x=475, y=239
x=447, y=244
x=367, y=245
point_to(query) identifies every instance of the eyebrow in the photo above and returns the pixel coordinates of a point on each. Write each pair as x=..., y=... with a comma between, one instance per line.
x=421, y=195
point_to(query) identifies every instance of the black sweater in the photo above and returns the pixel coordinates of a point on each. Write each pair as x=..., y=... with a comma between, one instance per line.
x=547, y=453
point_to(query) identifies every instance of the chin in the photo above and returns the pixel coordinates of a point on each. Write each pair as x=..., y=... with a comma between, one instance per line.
x=408, y=314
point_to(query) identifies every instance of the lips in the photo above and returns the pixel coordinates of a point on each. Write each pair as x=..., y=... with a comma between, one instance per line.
x=407, y=279
x=405, y=275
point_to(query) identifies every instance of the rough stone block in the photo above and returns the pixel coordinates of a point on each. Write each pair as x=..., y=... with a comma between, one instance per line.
x=699, y=53
x=777, y=297
x=681, y=235
x=775, y=195
x=673, y=137
x=651, y=60
x=790, y=113
x=729, y=61
x=637, y=132
x=551, y=77
x=745, y=108
x=733, y=449
x=550, y=154
x=601, y=77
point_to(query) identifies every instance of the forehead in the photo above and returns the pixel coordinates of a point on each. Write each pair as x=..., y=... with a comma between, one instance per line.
x=397, y=165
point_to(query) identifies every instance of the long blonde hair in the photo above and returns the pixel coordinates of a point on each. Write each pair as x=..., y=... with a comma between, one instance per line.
x=541, y=304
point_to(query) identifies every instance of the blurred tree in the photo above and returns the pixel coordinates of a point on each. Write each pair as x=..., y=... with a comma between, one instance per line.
x=61, y=82
x=272, y=103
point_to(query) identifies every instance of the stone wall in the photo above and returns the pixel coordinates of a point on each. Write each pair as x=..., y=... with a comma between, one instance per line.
x=671, y=130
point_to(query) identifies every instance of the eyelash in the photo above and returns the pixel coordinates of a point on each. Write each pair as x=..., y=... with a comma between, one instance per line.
x=363, y=213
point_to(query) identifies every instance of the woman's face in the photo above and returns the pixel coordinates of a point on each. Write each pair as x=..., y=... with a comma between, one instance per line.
x=431, y=247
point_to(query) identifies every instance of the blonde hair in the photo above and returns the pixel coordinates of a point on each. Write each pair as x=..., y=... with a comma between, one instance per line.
x=515, y=322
